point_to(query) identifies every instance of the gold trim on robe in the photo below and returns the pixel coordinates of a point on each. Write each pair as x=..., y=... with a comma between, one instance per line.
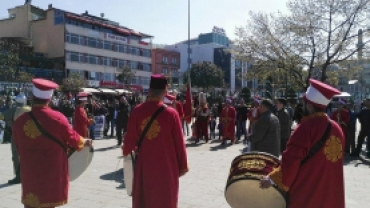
x=276, y=176
x=33, y=201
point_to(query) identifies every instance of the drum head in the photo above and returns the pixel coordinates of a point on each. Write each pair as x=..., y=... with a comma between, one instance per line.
x=246, y=193
x=79, y=161
x=128, y=172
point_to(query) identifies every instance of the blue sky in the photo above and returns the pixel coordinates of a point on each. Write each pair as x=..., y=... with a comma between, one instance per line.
x=166, y=20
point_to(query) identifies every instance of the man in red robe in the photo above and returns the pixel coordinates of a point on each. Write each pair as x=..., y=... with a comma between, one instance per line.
x=203, y=116
x=318, y=182
x=44, y=164
x=228, y=122
x=162, y=156
x=81, y=122
x=342, y=117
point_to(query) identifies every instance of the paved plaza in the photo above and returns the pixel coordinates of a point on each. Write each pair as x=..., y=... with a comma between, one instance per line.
x=101, y=186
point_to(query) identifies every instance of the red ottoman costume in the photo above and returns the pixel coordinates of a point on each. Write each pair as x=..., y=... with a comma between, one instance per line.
x=228, y=122
x=44, y=164
x=81, y=121
x=162, y=158
x=307, y=183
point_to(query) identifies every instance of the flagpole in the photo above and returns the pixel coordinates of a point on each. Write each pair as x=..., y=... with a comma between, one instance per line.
x=189, y=37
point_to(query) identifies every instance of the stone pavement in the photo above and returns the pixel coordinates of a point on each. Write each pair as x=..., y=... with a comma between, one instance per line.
x=101, y=186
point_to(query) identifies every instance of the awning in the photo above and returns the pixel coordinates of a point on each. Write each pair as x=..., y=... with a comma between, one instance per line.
x=343, y=94
x=122, y=91
x=106, y=90
x=90, y=90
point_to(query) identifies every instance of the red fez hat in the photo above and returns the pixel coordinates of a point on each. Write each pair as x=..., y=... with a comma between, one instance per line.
x=158, y=82
x=82, y=96
x=168, y=99
x=43, y=89
x=319, y=94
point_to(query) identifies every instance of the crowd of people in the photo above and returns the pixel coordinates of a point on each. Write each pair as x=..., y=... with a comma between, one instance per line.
x=70, y=120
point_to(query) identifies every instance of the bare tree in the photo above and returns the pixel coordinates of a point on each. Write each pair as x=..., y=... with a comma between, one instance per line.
x=313, y=36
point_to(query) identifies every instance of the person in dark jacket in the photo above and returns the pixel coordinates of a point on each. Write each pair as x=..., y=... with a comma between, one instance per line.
x=298, y=113
x=285, y=123
x=242, y=115
x=364, y=119
x=351, y=146
x=124, y=110
x=266, y=134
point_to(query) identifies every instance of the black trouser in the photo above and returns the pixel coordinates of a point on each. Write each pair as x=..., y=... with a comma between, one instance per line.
x=351, y=143
x=364, y=132
x=119, y=128
x=106, y=129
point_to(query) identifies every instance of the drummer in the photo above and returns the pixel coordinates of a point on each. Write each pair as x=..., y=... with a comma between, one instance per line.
x=308, y=179
x=44, y=164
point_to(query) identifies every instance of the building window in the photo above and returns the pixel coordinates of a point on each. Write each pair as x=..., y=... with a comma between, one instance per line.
x=146, y=67
x=134, y=65
x=165, y=71
x=93, y=60
x=146, y=53
x=107, y=45
x=121, y=63
x=107, y=61
x=108, y=77
x=76, y=57
x=122, y=48
x=92, y=42
x=75, y=39
x=174, y=60
x=134, y=51
x=145, y=80
x=165, y=60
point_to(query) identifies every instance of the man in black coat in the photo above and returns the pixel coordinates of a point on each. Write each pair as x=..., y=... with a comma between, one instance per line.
x=124, y=110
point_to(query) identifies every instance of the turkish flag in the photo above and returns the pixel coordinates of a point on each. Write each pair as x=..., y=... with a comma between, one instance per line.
x=188, y=102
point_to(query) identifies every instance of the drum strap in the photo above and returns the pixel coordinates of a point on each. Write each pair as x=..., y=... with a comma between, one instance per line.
x=318, y=144
x=142, y=136
x=46, y=134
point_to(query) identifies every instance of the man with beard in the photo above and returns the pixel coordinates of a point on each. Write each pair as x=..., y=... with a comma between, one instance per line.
x=312, y=163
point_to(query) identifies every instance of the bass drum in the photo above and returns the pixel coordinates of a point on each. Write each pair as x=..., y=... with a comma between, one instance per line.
x=243, y=184
x=79, y=162
x=2, y=128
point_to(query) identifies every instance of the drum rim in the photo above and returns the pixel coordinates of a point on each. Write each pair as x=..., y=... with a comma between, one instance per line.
x=256, y=153
x=282, y=193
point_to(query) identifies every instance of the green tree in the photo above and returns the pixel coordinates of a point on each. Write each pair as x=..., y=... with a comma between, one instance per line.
x=10, y=61
x=291, y=95
x=126, y=74
x=314, y=35
x=74, y=83
x=205, y=75
x=268, y=88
